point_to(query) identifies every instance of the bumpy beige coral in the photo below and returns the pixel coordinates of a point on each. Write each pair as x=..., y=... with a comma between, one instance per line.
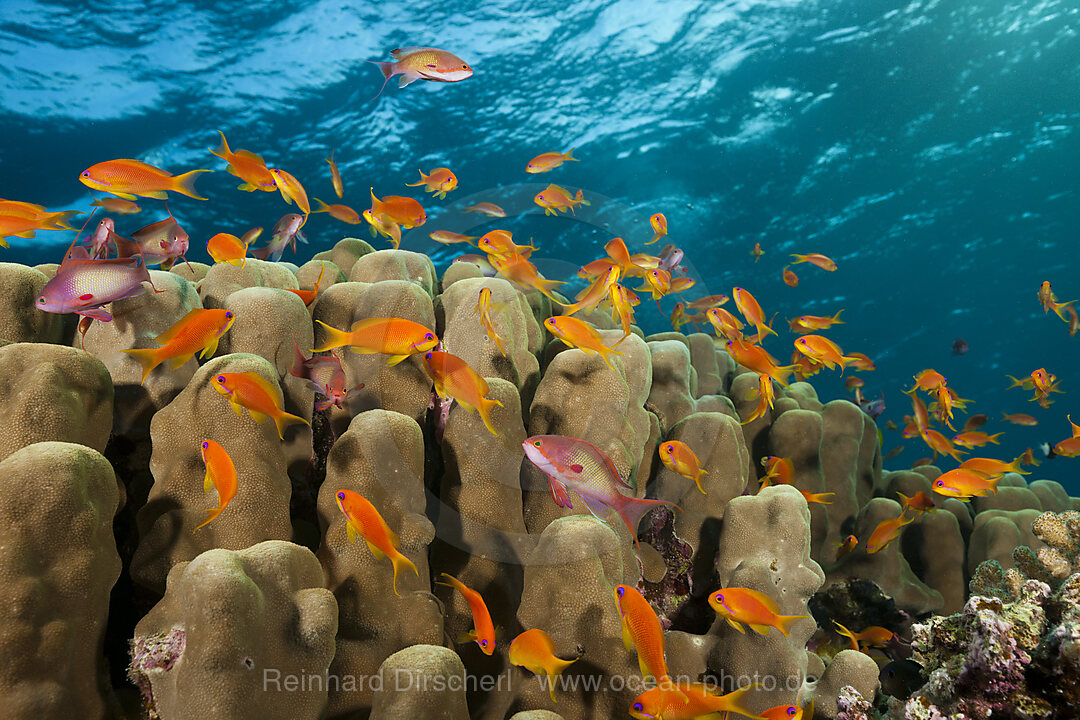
x=20, y=321
x=422, y=682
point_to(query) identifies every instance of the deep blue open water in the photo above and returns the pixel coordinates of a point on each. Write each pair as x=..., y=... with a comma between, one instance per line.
x=930, y=147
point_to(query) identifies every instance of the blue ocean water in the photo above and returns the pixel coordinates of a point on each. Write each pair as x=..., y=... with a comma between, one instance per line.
x=929, y=147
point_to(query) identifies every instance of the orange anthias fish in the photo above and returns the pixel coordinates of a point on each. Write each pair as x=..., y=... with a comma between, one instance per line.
x=964, y=484
x=450, y=238
x=623, y=300
x=422, y=63
x=439, y=182
x=642, y=633
x=743, y=606
x=386, y=228
x=860, y=361
x=724, y=323
x=823, y=262
x=820, y=498
x=501, y=242
x=788, y=712
x=886, y=532
x=534, y=650
x=117, y=205
x=483, y=632
x=580, y=334
x=404, y=211
x=292, y=191
x=199, y=330
x=975, y=422
x=823, y=351
x=681, y=460
x=928, y=380
x=754, y=357
x=765, y=395
x=1069, y=447
x=1042, y=382
x=247, y=166
x=790, y=278
x=262, y=398
x=486, y=208
x=363, y=520
x=940, y=444
x=545, y=162
x=484, y=306
x=396, y=337
x=519, y=270
x=1050, y=302
x=344, y=213
x=659, y=227
x=689, y=701
x=990, y=466
x=751, y=310
x=920, y=502
x=308, y=296
x=777, y=468
x=757, y=252
x=335, y=176
x=846, y=545
x=129, y=179
x=591, y=297
x=227, y=249
x=873, y=636
x=976, y=438
x=554, y=198
x=1020, y=419
x=220, y=474
x=806, y=323
x=454, y=378
x=1074, y=321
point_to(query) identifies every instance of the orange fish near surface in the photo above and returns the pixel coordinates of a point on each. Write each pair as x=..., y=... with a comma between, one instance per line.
x=534, y=650
x=454, y=378
x=886, y=532
x=261, y=398
x=422, y=63
x=804, y=323
x=439, y=182
x=292, y=191
x=554, y=198
x=790, y=278
x=689, y=701
x=743, y=606
x=659, y=227
x=823, y=262
x=220, y=474
x=483, y=632
x=397, y=337
x=751, y=310
x=247, y=166
x=363, y=520
x=486, y=208
x=129, y=179
x=199, y=330
x=404, y=211
x=546, y=162
x=681, y=460
x=335, y=176
x=344, y=213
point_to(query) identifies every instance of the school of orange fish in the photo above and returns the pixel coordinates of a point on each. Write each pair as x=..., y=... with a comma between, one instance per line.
x=88, y=280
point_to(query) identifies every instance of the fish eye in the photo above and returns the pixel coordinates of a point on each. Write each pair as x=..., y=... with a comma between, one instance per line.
x=939, y=483
x=429, y=336
x=341, y=495
x=671, y=448
x=619, y=591
x=483, y=643
x=536, y=443
x=228, y=315
x=220, y=378
x=791, y=711
x=464, y=67
x=718, y=597
x=205, y=444
x=41, y=300
x=86, y=173
x=638, y=707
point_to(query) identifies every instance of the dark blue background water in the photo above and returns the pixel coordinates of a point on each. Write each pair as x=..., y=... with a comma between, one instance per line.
x=929, y=147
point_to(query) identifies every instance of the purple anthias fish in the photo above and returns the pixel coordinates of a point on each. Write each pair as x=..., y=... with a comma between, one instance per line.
x=873, y=408
x=286, y=233
x=161, y=243
x=332, y=389
x=670, y=257
x=578, y=465
x=479, y=261
x=83, y=285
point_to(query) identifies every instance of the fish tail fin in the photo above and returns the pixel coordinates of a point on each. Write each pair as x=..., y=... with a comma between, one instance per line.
x=784, y=623
x=283, y=420
x=581, y=198
x=298, y=368
x=399, y=561
x=1058, y=307
x=632, y=509
x=223, y=149
x=387, y=69
x=568, y=155
x=334, y=338
x=185, y=184
x=605, y=351
x=212, y=513
x=735, y=702
x=323, y=207
x=555, y=671
x=148, y=358
x=545, y=286
x=836, y=317
x=484, y=410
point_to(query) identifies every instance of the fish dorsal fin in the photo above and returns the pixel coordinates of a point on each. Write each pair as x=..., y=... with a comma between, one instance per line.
x=248, y=155
x=367, y=323
x=179, y=325
x=398, y=53
x=266, y=386
x=764, y=599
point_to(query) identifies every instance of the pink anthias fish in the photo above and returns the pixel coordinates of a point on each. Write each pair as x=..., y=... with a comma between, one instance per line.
x=670, y=257
x=83, y=285
x=423, y=63
x=161, y=243
x=286, y=233
x=103, y=238
x=479, y=261
x=332, y=389
x=578, y=465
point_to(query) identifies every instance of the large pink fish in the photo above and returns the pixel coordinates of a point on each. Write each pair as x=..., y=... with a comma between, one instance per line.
x=286, y=233
x=161, y=243
x=83, y=285
x=332, y=388
x=578, y=465
x=423, y=63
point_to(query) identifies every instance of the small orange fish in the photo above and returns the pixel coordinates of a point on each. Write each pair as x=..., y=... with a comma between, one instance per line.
x=765, y=395
x=920, y=502
x=990, y=466
x=657, y=282
x=591, y=297
x=940, y=444
x=439, y=182
x=860, y=361
x=546, y=162
x=659, y=227
x=681, y=460
x=386, y=228
x=396, y=337
x=623, y=300
x=681, y=284
x=129, y=179
x=757, y=252
x=335, y=176
x=741, y=606
x=484, y=306
x=363, y=520
x=823, y=262
x=886, y=532
x=1074, y=320
x=1028, y=457
x=117, y=205
x=344, y=213
x=404, y=211
x=247, y=166
x=823, y=351
x=453, y=378
x=534, y=650
x=708, y=302
x=777, y=468
x=1069, y=447
x=751, y=310
x=225, y=248
x=689, y=701
x=486, y=208
x=854, y=382
x=501, y=242
x=975, y=422
x=788, y=712
x=292, y=191
x=964, y=484
x=928, y=380
x=518, y=269
x=975, y=438
x=199, y=330
x=642, y=633
x=308, y=296
x=790, y=278
x=754, y=357
x=450, y=238
x=554, y=198
x=873, y=636
x=724, y=323
x=820, y=498
x=1049, y=301
x=483, y=632
x=220, y=474
x=580, y=334
x=261, y=398
x=846, y=545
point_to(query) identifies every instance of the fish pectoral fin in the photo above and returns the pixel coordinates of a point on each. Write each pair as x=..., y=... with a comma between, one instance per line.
x=379, y=554
x=156, y=194
x=627, y=641
x=350, y=531
x=465, y=637
x=257, y=416
x=395, y=359
x=760, y=629
x=210, y=349
x=237, y=408
x=408, y=79
x=208, y=482
x=559, y=493
x=737, y=626
x=97, y=313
